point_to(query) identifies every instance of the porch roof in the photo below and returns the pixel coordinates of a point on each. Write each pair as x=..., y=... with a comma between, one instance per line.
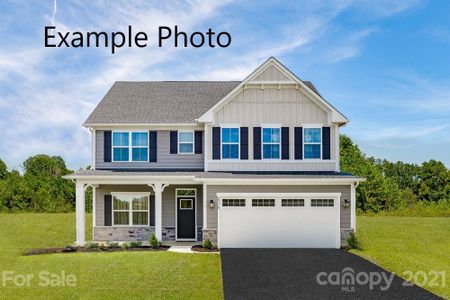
x=202, y=176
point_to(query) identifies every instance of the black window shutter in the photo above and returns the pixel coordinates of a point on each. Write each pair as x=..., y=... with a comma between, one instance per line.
x=284, y=142
x=216, y=142
x=326, y=145
x=173, y=142
x=298, y=137
x=107, y=146
x=108, y=210
x=198, y=142
x=256, y=142
x=153, y=146
x=244, y=142
x=152, y=210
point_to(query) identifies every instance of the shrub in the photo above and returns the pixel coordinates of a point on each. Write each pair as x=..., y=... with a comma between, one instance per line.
x=352, y=241
x=136, y=244
x=154, y=243
x=207, y=244
x=69, y=248
x=102, y=245
x=113, y=245
x=125, y=245
x=91, y=245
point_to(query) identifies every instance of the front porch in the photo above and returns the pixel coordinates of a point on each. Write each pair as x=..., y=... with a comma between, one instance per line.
x=125, y=211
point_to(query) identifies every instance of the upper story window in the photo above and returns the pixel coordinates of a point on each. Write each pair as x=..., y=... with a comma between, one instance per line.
x=186, y=142
x=230, y=143
x=312, y=143
x=271, y=142
x=130, y=146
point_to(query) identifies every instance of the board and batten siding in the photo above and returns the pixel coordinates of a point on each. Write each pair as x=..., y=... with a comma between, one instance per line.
x=168, y=201
x=289, y=107
x=272, y=73
x=214, y=189
x=165, y=160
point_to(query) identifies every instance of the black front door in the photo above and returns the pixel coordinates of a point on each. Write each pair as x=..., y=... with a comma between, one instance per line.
x=185, y=217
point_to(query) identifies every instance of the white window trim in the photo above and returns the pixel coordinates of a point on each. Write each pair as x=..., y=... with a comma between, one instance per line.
x=312, y=126
x=190, y=200
x=130, y=146
x=229, y=143
x=270, y=126
x=130, y=210
x=193, y=141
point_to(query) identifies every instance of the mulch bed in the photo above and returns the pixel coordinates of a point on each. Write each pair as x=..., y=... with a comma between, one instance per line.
x=199, y=248
x=82, y=249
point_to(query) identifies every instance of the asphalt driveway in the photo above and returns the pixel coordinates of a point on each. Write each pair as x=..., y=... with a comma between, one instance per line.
x=309, y=274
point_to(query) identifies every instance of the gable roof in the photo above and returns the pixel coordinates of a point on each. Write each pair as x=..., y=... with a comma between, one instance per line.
x=336, y=116
x=158, y=102
x=182, y=102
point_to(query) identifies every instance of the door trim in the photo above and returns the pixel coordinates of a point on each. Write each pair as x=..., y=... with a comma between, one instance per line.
x=176, y=214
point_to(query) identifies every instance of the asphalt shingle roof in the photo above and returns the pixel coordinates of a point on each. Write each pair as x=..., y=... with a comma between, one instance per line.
x=227, y=175
x=161, y=102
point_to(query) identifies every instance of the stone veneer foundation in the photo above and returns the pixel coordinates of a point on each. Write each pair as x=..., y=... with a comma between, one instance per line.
x=345, y=233
x=129, y=234
x=210, y=234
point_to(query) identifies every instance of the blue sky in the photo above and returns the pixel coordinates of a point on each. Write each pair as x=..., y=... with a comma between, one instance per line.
x=384, y=64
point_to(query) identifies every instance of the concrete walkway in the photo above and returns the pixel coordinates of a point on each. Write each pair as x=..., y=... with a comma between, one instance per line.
x=180, y=249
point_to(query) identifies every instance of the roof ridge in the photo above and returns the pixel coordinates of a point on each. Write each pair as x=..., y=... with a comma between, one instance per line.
x=177, y=81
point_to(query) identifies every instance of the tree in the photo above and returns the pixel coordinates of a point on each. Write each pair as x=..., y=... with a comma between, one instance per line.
x=434, y=181
x=3, y=170
x=43, y=175
x=378, y=192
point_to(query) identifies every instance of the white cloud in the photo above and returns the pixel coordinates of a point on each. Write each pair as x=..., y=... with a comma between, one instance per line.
x=49, y=92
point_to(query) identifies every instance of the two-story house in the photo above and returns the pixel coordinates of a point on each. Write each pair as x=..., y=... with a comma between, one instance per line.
x=252, y=163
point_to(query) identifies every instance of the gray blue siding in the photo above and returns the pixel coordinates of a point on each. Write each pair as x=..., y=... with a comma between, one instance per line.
x=165, y=160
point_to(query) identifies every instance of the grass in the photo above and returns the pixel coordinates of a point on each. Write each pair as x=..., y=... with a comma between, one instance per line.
x=119, y=275
x=402, y=244
x=398, y=244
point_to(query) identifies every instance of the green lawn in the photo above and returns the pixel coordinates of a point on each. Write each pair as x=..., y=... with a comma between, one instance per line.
x=414, y=244
x=120, y=275
x=396, y=243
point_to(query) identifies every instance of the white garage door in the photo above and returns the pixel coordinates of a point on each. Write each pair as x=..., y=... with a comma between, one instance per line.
x=290, y=220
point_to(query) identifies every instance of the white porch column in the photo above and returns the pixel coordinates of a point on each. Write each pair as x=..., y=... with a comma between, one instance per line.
x=353, y=207
x=158, y=188
x=80, y=213
x=94, y=204
x=205, y=206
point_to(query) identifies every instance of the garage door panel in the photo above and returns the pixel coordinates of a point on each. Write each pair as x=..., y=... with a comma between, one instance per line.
x=279, y=227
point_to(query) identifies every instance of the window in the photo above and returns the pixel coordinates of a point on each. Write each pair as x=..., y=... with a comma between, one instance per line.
x=233, y=202
x=230, y=143
x=186, y=142
x=292, y=202
x=185, y=203
x=271, y=143
x=190, y=192
x=130, y=209
x=322, y=202
x=263, y=202
x=130, y=146
x=312, y=140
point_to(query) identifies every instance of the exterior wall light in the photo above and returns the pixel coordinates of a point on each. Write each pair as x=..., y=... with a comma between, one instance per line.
x=346, y=203
x=211, y=203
